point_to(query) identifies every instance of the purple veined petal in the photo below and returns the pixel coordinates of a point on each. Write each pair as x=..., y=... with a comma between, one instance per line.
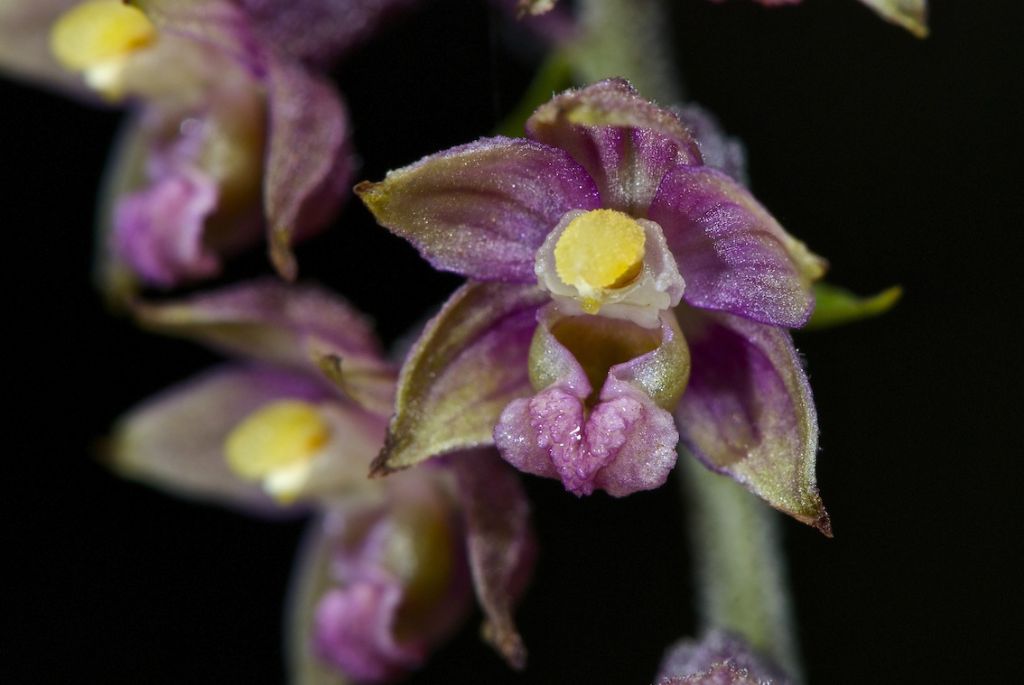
x=733, y=255
x=302, y=327
x=25, y=45
x=175, y=440
x=469, y=362
x=717, y=659
x=159, y=230
x=320, y=31
x=481, y=209
x=625, y=142
x=748, y=412
x=309, y=159
x=600, y=418
x=500, y=543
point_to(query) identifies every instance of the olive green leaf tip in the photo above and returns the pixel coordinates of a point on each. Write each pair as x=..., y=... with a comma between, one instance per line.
x=281, y=255
x=836, y=306
x=507, y=642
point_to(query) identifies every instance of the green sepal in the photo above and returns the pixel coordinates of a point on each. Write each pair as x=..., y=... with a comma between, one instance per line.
x=835, y=306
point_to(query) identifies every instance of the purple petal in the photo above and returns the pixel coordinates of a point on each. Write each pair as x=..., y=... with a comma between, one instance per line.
x=481, y=209
x=748, y=412
x=302, y=327
x=309, y=159
x=732, y=253
x=718, y=659
x=319, y=31
x=626, y=441
x=500, y=542
x=159, y=230
x=625, y=142
x=469, y=362
x=175, y=441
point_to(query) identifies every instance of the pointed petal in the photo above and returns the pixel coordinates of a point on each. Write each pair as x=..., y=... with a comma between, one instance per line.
x=309, y=159
x=470, y=361
x=481, y=209
x=301, y=327
x=748, y=412
x=835, y=306
x=625, y=142
x=500, y=543
x=175, y=441
x=910, y=14
x=732, y=253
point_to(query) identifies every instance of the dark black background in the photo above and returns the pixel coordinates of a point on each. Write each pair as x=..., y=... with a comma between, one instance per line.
x=897, y=159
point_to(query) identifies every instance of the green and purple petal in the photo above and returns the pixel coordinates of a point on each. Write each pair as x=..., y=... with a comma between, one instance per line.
x=733, y=255
x=175, y=440
x=309, y=159
x=482, y=209
x=600, y=419
x=748, y=411
x=499, y=541
x=625, y=142
x=469, y=362
x=301, y=327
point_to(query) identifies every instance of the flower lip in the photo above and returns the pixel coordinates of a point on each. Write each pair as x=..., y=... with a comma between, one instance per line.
x=605, y=262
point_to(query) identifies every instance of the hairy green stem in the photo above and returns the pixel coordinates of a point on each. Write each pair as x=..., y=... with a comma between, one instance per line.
x=740, y=570
x=628, y=38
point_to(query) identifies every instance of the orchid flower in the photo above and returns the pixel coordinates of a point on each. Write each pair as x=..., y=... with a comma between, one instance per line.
x=232, y=133
x=717, y=659
x=615, y=280
x=290, y=426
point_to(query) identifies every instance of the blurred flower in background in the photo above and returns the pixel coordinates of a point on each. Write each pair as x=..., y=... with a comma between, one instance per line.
x=291, y=426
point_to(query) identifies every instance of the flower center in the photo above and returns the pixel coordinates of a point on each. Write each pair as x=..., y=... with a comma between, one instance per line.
x=96, y=37
x=276, y=444
x=599, y=250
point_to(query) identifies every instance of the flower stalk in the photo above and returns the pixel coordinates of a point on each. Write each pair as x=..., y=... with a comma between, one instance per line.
x=740, y=569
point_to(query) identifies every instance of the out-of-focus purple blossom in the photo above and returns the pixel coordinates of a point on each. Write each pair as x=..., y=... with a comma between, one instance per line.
x=234, y=133
x=616, y=279
x=718, y=659
x=291, y=426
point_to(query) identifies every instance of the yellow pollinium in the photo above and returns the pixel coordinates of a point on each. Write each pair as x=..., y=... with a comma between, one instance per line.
x=276, y=444
x=98, y=32
x=600, y=250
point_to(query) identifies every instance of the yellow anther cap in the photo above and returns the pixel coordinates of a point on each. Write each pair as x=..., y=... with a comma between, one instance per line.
x=602, y=249
x=278, y=436
x=98, y=31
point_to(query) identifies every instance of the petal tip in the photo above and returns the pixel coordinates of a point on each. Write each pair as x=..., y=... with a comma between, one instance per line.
x=508, y=643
